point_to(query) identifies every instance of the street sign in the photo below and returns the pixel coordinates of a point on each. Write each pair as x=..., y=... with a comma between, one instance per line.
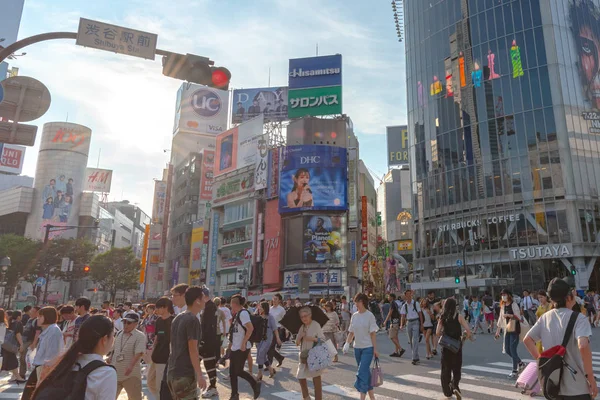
x=41, y=281
x=24, y=99
x=459, y=263
x=118, y=39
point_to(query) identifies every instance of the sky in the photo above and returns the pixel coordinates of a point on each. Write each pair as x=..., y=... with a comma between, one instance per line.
x=130, y=105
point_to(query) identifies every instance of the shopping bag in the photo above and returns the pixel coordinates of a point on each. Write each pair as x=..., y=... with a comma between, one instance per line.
x=331, y=348
x=376, y=374
x=225, y=342
x=319, y=358
x=29, y=357
x=339, y=338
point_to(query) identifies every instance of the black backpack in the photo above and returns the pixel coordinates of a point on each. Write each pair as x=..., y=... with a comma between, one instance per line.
x=259, y=323
x=551, y=363
x=71, y=386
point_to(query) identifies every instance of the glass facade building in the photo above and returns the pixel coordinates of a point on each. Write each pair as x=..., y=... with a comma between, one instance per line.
x=504, y=122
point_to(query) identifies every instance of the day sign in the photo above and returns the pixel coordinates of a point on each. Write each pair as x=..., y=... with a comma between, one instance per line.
x=118, y=39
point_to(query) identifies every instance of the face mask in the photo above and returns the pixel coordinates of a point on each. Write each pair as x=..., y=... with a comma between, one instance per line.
x=504, y=298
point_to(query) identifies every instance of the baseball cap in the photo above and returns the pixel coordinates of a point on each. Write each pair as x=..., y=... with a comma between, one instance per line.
x=132, y=317
x=558, y=289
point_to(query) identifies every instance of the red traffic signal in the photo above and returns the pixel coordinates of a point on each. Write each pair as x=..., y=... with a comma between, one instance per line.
x=220, y=77
x=196, y=69
x=86, y=269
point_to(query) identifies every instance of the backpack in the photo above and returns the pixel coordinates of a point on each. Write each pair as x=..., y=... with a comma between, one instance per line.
x=71, y=386
x=259, y=323
x=551, y=363
x=405, y=305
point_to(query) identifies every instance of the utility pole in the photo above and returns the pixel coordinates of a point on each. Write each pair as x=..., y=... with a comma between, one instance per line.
x=46, y=266
x=464, y=251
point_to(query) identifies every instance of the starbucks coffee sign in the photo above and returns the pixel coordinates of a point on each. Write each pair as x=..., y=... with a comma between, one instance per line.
x=539, y=252
x=477, y=222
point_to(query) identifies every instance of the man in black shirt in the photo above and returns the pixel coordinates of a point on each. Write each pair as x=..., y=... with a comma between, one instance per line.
x=161, y=349
x=209, y=345
x=184, y=374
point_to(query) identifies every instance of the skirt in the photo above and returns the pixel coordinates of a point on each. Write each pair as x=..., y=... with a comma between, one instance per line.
x=9, y=361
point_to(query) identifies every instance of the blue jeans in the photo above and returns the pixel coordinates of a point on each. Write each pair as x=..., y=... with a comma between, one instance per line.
x=511, y=341
x=364, y=357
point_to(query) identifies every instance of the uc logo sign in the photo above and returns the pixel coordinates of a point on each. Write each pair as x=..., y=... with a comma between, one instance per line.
x=206, y=103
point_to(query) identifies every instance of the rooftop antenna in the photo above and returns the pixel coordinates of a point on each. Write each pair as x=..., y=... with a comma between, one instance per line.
x=98, y=163
x=317, y=49
x=269, y=85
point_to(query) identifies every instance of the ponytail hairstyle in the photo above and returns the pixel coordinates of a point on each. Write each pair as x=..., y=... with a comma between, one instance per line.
x=92, y=330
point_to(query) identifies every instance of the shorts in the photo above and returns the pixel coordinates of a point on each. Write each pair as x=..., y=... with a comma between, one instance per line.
x=393, y=331
x=591, y=311
x=489, y=317
x=428, y=328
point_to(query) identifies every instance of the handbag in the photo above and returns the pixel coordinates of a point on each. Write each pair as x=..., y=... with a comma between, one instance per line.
x=450, y=343
x=10, y=343
x=319, y=358
x=330, y=347
x=376, y=374
x=339, y=337
x=511, y=326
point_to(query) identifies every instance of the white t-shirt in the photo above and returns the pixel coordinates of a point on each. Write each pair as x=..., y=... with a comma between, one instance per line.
x=550, y=329
x=238, y=330
x=362, y=325
x=101, y=382
x=118, y=324
x=408, y=309
x=69, y=328
x=345, y=308
x=227, y=313
x=278, y=312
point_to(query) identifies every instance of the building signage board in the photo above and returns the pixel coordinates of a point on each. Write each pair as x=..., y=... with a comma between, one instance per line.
x=262, y=164
x=472, y=223
x=315, y=101
x=238, y=147
x=538, y=252
x=212, y=272
x=196, y=246
x=117, y=39
x=249, y=103
x=397, y=145
x=273, y=173
x=313, y=72
x=317, y=278
x=313, y=177
x=404, y=245
x=352, y=185
x=11, y=158
x=233, y=187
x=160, y=197
x=206, y=180
x=364, y=243
x=323, y=239
x=97, y=180
x=200, y=109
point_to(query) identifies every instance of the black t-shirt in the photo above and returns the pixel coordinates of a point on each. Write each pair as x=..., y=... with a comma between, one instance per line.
x=30, y=329
x=395, y=312
x=160, y=354
x=185, y=326
x=509, y=311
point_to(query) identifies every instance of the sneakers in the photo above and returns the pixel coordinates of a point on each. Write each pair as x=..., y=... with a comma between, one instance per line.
x=280, y=362
x=521, y=367
x=210, y=392
x=434, y=352
x=457, y=394
x=415, y=362
x=513, y=375
x=257, y=390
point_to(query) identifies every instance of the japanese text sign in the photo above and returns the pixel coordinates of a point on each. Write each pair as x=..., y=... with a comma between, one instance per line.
x=317, y=278
x=233, y=187
x=315, y=101
x=103, y=36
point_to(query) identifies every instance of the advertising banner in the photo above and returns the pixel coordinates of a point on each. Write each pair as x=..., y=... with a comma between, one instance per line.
x=313, y=177
x=352, y=185
x=160, y=197
x=273, y=173
x=317, y=278
x=313, y=72
x=397, y=145
x=11, y=158
x=262, y=164
x=200, y=109
x=315, y=101
x=238, y=147
x=196, y=246
x=233, y=187
x=212, y=270
x=249, y=103
x=233, y=257
x=323, y=239
x=272, y=244
x=364, y=232
x=97, y=180
x=404, y=245
x=206, y=180
x=204, y=257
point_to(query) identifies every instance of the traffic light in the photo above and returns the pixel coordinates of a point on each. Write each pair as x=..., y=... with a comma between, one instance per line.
x=196, y=69
x=86, y=269
x=573, y=271
x=457, y=279
x=378, y=218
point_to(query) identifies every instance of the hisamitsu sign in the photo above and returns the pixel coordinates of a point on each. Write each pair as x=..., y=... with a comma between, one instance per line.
x=118, y=39
x=313, y=72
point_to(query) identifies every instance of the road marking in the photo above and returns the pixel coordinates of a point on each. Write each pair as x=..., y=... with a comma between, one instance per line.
x=351, y=392
x=415, y=391
x=288, y=395
x=478, y=378
x=486, y=369
x=469, y=388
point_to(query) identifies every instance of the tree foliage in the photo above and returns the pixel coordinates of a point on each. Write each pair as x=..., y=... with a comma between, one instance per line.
x=115, y=270
x=24, y=254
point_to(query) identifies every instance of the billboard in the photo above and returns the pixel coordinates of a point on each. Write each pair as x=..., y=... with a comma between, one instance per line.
x=233, y=187
x=12, y=157
x=352, y=187
x=237, y=147
x=196, y=246
x=214, y=244
x=323, y=239
x=397, y=145
x=249, y=103
x=159, y=206
x=364, y=238
x=272, y=244
x=313, y=72
x=313, y=177
x=200, y=109
x=262, y=163
x=97, y=180
x=273, y=173
x=315, y=101
x=206, y=180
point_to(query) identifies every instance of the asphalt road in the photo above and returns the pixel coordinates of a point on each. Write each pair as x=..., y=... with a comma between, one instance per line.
x=485, y=371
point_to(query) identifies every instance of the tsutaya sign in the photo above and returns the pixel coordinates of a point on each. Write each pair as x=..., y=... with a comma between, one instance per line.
x=546, y=251
x=477, y=222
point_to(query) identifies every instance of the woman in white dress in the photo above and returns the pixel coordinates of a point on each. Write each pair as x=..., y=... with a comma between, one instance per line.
x=309, y=334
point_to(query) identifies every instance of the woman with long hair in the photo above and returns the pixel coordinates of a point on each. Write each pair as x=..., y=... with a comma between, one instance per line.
x=332, y=325
x=263, y=347
x=94, y=341
x=10, y=362
x=363, y=330
x=300, y=195
x=510, y=321
x=428, y=319
x=450, y=323
x=309, y=334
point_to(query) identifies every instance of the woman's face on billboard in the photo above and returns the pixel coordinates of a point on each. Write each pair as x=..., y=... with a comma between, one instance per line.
x=303, y=179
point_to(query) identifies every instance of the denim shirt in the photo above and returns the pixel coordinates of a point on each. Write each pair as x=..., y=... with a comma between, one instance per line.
x=50, y=345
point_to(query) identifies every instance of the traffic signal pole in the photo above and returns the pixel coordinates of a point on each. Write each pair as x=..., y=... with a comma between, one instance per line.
x=465, y=267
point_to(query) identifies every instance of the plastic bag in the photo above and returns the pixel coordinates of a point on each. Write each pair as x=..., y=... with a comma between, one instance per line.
x=29, y=357
x=225, y=342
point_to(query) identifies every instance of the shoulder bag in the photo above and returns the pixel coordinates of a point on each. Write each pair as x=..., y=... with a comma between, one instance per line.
x=10, y=343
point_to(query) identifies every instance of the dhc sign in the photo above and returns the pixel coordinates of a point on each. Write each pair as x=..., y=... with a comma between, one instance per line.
x=538, y=252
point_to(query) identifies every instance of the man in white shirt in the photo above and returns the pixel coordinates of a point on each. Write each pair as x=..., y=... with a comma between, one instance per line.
x=68, y=315
x=178, y=298
x=412, y=319
x=346, y=315
x=528, y=307
x=277, y=311
x=118, y=319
